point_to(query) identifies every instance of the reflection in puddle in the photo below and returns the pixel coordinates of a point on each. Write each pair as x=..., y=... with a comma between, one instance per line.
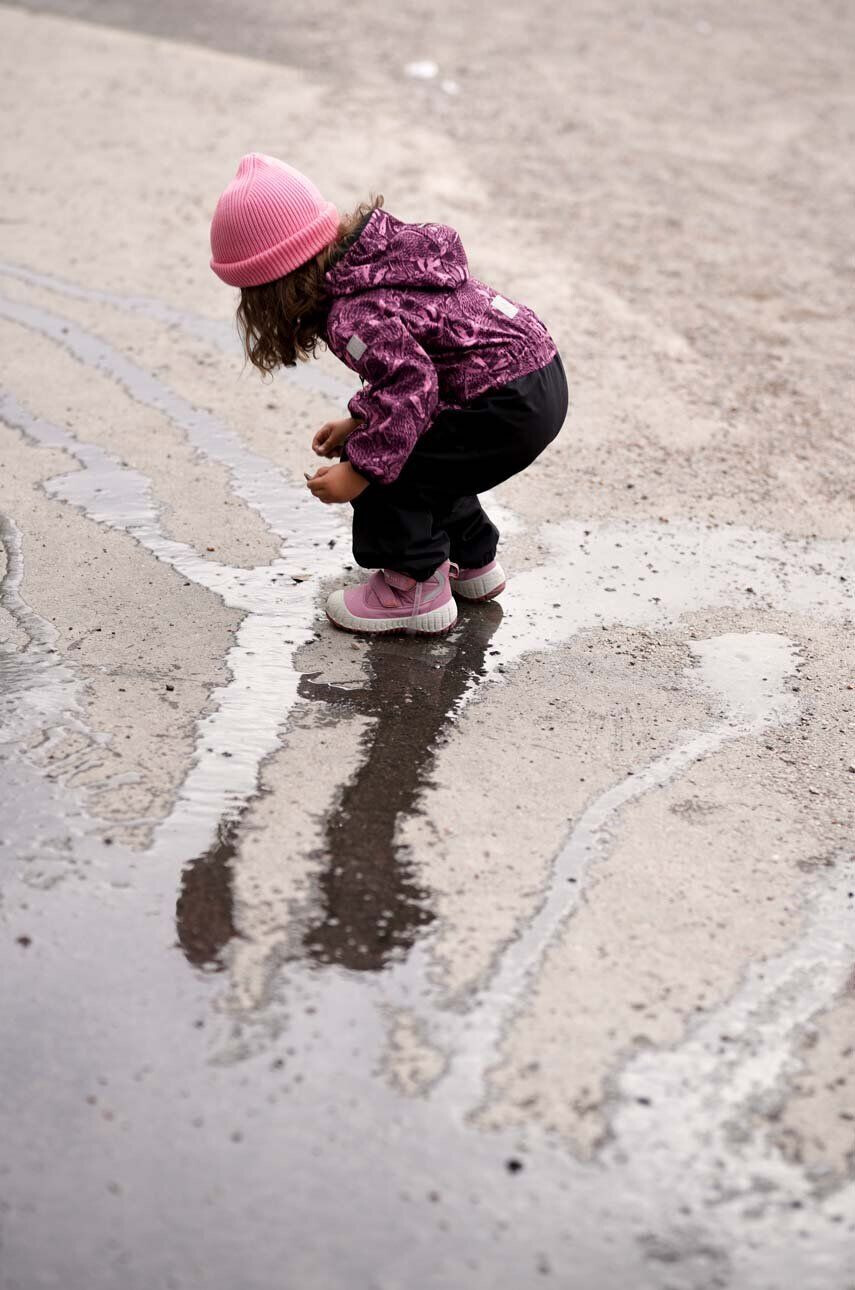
x=203, y=914
x=372, y=906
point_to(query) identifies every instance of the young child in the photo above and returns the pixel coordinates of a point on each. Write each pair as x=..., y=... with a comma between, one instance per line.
x=461, y=388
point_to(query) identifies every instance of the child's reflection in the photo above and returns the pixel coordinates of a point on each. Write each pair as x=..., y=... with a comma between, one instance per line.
x=371, y=905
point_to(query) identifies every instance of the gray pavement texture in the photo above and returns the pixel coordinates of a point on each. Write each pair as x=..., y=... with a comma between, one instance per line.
x=524, y=957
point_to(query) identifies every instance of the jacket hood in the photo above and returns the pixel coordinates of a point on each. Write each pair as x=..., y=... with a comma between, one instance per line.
x=390, y=253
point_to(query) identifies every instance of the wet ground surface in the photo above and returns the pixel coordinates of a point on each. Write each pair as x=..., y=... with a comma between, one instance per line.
x=520, y=957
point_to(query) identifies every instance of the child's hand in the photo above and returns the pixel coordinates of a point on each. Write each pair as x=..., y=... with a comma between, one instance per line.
x=327, y=442
x=336, y=483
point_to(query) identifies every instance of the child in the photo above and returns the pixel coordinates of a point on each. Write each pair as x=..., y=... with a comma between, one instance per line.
x=461, y=388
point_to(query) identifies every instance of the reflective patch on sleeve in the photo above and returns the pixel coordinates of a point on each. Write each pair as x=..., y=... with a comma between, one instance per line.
x=356, y=347
x=504, y=306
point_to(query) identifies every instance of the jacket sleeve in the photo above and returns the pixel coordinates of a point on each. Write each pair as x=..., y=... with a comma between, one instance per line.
x=398, y=397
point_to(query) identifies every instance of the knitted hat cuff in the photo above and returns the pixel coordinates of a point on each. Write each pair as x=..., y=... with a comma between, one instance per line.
x=275, y=261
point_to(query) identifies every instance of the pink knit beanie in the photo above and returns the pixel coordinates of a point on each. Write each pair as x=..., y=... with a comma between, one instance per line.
x=269, y=220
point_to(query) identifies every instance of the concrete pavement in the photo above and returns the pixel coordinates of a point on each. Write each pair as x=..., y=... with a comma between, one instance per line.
x=520, y=956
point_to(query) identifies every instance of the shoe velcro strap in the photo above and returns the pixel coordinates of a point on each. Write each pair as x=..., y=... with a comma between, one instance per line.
x=401, y=581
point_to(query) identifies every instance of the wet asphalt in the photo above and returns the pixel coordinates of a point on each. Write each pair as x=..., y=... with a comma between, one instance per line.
x=305, y=1019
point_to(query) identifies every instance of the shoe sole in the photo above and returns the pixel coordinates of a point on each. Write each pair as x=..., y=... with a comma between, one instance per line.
x=434, y=623
x=483, y=588
x=477, y=600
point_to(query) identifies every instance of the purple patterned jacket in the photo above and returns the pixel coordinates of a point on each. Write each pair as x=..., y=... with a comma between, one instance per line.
x=422, y=335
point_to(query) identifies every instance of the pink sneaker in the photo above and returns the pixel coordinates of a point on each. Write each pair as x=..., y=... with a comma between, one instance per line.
x=392, y=602
x=479, y=584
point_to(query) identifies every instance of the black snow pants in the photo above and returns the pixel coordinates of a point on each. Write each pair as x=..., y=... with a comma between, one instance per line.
x=431, y=512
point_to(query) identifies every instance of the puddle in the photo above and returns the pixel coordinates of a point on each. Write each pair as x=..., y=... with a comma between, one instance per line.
x=318, y=1104
x=733, y=1088
x=280, y=614
x=647, y=574
x=288, y=509
x=203, y=913
x=631, y=574
x=371, y=905
x=745, y=672
x=37, y=689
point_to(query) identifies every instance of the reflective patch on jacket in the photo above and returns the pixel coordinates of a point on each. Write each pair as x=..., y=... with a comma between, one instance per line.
x=504, y=306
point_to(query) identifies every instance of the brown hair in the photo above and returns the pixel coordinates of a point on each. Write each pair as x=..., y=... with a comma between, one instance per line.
x=283, y=321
